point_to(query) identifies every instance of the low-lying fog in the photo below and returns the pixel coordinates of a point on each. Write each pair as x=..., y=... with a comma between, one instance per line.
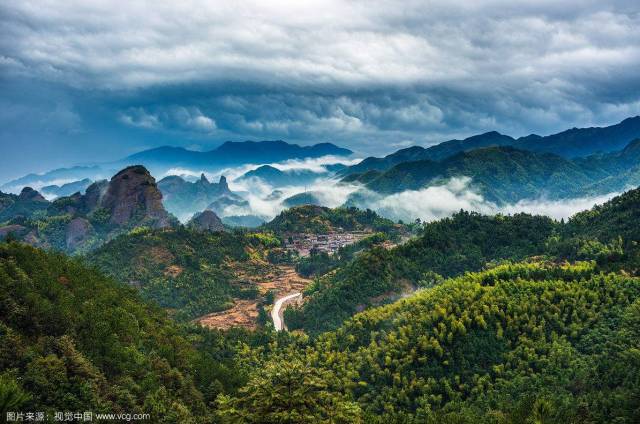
x=428, y=204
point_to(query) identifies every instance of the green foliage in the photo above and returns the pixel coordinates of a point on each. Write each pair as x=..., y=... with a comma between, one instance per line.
x=452, y=246
x=288, y=391
x=608, y=233
x=531, y=342
x=504, y=174
x=321, y=220
x=12, y=397
x=189, y=271
x=78, y=341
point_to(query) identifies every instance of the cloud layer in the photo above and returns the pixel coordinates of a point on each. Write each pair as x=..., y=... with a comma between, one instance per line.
x=371, y=75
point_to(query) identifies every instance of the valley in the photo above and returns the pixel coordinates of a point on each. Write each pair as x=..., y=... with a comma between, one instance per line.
x=374, y=318
x=312, y=212
x=282, y=281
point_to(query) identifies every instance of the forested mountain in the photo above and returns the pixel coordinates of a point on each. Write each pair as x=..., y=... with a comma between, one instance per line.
x=182, y=197
x=582, y=142
x=308, y=198
x=74, y=340
x=467, y=242
x=535, y=341
x=188, y=271
x=573, y=143
x=434, y=153
x=507, y=175
x=81, y=222
x=277, y=178
x=321, y=220
x=519, y=343
x=28, y=202
x=445, y=248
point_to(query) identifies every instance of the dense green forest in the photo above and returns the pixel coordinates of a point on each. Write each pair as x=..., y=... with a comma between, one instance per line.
x=321, y=220
x=189, y=271
x=608, y=234
x=74, y=340
x=518, y=343
x=503, y=319
x=464, y=242
x=506, y=175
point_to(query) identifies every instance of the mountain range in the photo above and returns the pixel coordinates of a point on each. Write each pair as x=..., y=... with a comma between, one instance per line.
x=236, y=153
x=572, y=143
x=505, y=319
x=571, y=164
x=277, y=178
x=182, y=197
x=507, y=174
x=161, y=159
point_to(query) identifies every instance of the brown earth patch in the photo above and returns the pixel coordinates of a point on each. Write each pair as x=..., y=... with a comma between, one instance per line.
x=173, y=271
x=160, y=255
x=282, y=279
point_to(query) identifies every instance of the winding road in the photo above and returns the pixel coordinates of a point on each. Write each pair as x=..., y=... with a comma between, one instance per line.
x=276, y=314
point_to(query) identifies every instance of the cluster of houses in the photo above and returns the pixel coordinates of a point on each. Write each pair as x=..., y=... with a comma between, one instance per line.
x=329, y=243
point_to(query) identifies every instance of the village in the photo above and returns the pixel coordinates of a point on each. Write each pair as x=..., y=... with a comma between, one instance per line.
x=329, y=243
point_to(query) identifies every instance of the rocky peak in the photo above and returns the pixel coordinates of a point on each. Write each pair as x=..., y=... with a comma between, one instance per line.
x=29, y=194
x=223, y=183
x=203, y=179
x=206, y=221
x=132, y=197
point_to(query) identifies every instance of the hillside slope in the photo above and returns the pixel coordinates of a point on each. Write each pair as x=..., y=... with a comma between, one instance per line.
x=188, y=271
x=80, y=222
x=524, y=343
x=608, y=234
x=74, y=340
x=506, y=175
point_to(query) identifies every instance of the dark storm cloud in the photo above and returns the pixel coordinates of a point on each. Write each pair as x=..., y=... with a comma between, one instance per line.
x=371, y=75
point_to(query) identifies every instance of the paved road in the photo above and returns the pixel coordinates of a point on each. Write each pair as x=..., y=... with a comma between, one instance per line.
x=276, y=315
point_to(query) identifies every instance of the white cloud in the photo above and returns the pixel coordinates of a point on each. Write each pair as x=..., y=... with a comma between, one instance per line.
x=557, y=209
x=432, y=203
x=318, y=42
x=173, y=117
x=436, y=202
x=428, y=204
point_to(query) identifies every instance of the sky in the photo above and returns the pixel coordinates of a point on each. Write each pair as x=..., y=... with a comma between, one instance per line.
x=88, y=81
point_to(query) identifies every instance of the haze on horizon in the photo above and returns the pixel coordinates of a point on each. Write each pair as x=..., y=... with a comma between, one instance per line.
x=85, y=81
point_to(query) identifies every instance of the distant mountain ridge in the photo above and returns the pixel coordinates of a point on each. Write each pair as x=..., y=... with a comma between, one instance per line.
x=182, y=197
x=160, y=159
x=573, y=143
x=233, y=152
x=278, y=178
x=507, y=174
x=582, y=142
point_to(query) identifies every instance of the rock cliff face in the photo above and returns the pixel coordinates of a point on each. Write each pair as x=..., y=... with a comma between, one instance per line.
x=206, y=221
x=93, y=194
x=133, y=198
x=77, y=233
